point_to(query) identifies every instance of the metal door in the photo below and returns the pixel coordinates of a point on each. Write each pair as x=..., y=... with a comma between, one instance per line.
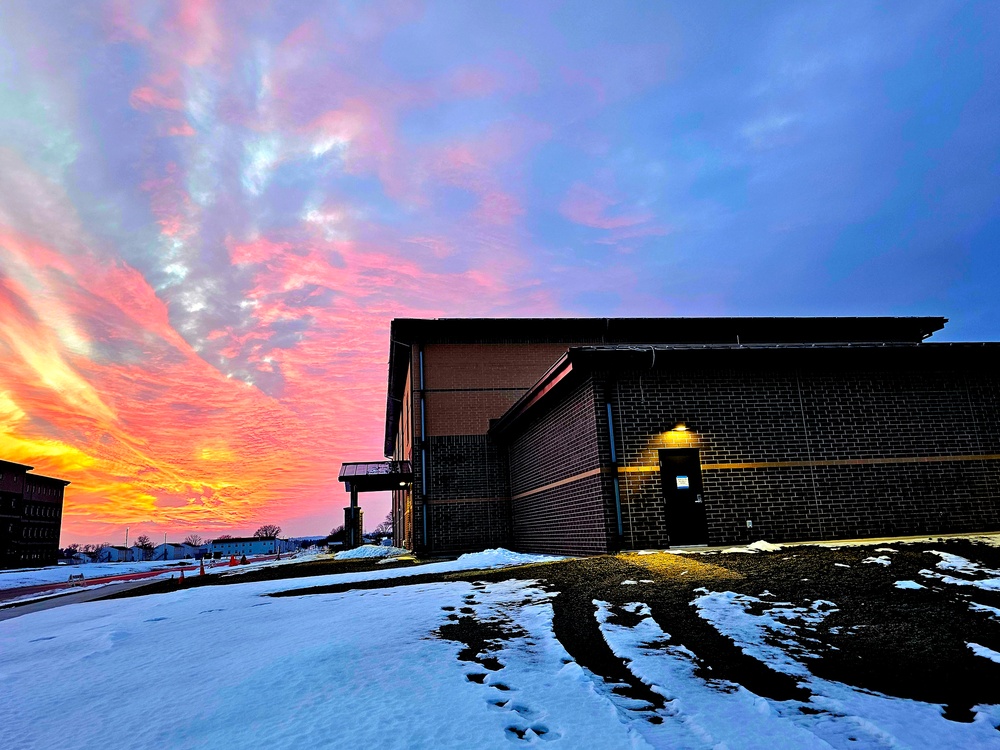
x=680, y=473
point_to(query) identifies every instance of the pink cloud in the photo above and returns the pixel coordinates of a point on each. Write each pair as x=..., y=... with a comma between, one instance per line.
x=197, y=31
x=121, y=25
x=184, y=130
x=475, y=82
x=591, y=207
x=146, y=97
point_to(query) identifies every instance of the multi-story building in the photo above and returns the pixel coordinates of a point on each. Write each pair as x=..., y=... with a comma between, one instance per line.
x=590, y=435
x=31, y=508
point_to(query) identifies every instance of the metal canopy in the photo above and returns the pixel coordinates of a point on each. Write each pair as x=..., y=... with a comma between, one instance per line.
x=375, y=476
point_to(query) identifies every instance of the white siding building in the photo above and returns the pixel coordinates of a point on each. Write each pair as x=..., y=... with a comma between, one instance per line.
x=175, y=551
x=240, y=546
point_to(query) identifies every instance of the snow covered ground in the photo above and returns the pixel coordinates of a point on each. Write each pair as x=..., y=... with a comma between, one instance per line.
x=228, y=666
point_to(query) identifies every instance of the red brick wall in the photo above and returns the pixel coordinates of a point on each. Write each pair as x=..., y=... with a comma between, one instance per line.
x=466, y=412
x=461, y=366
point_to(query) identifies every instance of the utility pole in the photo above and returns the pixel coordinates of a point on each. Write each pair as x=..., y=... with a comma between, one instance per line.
x=126, y=542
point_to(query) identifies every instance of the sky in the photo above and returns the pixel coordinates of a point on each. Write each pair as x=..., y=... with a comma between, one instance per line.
x=210, y=211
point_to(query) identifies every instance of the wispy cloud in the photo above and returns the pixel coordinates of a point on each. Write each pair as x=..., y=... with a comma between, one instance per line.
x=211, y=210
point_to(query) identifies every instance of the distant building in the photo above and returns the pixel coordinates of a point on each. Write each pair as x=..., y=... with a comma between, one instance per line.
x=177, y=551
x=249, y=545
x=116, y=553
x=30, y=516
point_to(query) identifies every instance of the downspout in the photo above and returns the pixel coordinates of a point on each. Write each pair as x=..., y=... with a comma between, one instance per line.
x=614, y=472
x=423, y=448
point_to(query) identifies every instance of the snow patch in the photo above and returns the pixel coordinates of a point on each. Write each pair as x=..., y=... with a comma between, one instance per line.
x=758, y=546
x=880, y=560
x=986, y=653
x=991, y=611
x=908, y=585
x=370, y=551
x=499, y=557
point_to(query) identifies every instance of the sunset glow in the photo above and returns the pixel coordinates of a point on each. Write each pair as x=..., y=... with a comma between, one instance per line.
x=210, y=211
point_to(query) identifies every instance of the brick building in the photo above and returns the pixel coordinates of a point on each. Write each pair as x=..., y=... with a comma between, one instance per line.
x=589, y=435
x=30, y=516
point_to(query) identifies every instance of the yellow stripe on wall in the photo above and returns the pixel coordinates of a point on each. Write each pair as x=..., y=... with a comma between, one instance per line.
x=764, y=465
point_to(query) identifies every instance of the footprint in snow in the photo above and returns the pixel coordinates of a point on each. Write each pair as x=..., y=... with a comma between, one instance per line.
x=517, y=733
x=43, y=638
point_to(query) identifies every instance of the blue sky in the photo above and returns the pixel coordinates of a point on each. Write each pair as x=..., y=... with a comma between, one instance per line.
x=210, y=210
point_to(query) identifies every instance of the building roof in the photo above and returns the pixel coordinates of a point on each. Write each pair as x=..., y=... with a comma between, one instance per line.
x=15, y=466
x=405, y=332
x=233, y=539
x=47, y=480
x=578, y=362
x=375, y=476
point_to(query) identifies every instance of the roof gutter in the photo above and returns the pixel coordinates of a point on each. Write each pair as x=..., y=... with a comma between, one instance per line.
x=557, y=374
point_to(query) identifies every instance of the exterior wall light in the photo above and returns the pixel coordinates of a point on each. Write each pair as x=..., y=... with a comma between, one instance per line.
x=680, y=427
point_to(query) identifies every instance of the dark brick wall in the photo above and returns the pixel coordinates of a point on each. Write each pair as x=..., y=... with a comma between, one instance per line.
x=465, y=466
x=560, y=444
x=468, y=492
x=459, y=526
x=872, y=417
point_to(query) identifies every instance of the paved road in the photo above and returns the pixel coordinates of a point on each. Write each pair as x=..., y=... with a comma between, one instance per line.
x=7, y=595
x=70, y=597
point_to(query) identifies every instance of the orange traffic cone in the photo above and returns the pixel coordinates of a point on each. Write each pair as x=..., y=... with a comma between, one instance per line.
x=201, y=572
x=180, y=580
x=232, y=561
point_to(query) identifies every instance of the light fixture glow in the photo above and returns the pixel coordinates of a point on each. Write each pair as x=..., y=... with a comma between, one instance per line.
x=680, y=427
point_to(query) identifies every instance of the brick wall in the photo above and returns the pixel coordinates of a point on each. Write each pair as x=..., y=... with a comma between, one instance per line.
x=876, y=423
x=467, y=412
x=460, y=526
x=560, y=444
x=466, y=385
x=462, y=366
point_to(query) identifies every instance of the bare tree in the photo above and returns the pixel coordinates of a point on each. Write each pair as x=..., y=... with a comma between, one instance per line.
x=144, y=543
x=193, y=539
x=267, y=531
x=385, y=528
x=94, y=550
